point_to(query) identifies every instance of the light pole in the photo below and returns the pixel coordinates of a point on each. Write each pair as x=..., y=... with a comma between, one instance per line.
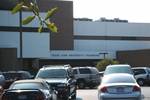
x=104, y=54
x=20, y=31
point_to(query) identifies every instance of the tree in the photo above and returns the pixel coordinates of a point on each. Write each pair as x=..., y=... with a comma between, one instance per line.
x=32, y=6
x=101, y=65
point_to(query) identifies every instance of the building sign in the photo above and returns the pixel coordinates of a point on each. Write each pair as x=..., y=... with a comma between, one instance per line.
x=75, y=55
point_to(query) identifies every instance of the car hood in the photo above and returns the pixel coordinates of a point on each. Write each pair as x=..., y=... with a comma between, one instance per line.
x=57, y=80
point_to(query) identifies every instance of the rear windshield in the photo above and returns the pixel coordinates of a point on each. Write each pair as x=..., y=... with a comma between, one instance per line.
x=28, y=86
x=121, y=69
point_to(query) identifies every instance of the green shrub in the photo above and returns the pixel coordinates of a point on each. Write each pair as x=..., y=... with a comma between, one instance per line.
x=101, y=65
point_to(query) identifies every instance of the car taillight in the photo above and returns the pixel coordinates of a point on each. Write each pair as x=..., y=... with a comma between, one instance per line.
x=136, y=88
x=103, y=89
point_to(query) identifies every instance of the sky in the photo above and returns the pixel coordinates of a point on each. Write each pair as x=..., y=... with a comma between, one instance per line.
x=131, y=10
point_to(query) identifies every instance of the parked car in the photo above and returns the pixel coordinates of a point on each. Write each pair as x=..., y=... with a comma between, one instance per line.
x=29, y=90
x=86, y=77
x=118, y=68
x=142, y=75
x=119, y=86
x=11, y=76
x=61, y=78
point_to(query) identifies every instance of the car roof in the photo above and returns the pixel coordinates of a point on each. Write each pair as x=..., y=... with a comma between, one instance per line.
x=83, y=67
x=119, y=65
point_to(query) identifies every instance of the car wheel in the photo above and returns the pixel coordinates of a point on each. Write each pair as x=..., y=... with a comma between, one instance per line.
x=73, y=97
x=81, y=85
x=140, y=82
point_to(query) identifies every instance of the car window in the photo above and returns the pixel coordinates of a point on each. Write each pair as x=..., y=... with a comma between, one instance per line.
x=10, y=76
x=139, y=71
x=52, y=73
x=95, y=71
x=148, y=70
x=122, y=69
x=74, y=71
x=28, y=86
x=25, y=74
x=85, y=71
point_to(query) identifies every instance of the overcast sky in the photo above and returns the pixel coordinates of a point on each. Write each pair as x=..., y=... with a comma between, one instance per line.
x=131, y=10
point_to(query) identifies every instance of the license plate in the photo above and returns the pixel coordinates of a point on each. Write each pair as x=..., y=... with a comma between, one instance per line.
x=22, y=97
x=120, y=90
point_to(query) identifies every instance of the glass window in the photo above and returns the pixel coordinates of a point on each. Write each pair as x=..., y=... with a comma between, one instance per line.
x=75, y=71
x=139, y=71
x=28, y=86
x=149, y=70
x=121, y=69
x=95, y=70
x=52, y=73
x=85, y=71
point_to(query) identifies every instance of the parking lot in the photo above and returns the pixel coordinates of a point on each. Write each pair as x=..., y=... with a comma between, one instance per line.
x=91, y=94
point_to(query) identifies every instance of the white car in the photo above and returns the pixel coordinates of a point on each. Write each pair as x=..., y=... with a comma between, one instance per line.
x=120, y=86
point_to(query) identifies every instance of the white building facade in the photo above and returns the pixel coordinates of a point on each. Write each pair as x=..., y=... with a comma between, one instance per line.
x=91, y=39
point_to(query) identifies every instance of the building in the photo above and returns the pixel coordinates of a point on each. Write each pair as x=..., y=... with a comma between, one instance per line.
x=78, y=42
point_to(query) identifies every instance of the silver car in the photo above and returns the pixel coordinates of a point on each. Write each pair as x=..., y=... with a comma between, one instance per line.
x=120, y=86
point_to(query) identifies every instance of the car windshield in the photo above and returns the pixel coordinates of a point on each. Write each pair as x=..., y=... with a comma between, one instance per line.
x=121, y=69
x=52, y=73
x=28, y=86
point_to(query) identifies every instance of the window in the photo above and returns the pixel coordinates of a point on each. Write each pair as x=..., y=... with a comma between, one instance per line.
x=75, y=71
x=52, y=73
x=139, y=71
x=85, y=71
x=118, y=69
x=28, y=86
x=128, y=38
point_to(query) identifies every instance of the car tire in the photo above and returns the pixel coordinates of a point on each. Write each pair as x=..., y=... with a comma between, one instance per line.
x=81, y=84
x=141, y=82
x=73, y=97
